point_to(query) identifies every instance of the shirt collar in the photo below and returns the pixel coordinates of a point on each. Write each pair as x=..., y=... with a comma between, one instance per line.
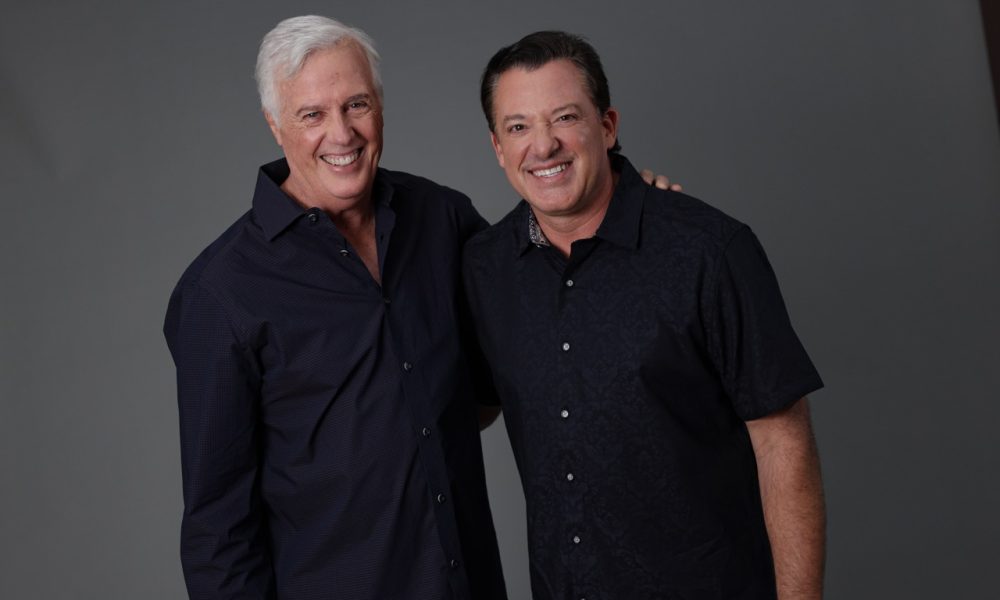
x=621, y=222
x=276, y=210
x=535, y=234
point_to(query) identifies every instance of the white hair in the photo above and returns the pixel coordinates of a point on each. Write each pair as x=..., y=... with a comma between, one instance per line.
x=285, y=49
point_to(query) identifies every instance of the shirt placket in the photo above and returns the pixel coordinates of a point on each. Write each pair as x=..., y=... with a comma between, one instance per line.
x=429, y=436
x=568, y=472
x=413, y=387
x=432, y=456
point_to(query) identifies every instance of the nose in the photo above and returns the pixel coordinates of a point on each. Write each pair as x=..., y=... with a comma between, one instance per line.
x=340, y=131
x=544, y=142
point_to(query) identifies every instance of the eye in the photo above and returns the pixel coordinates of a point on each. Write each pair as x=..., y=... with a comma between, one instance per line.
x=357, y=106
x=311, y=116
x=567, y=118
x=516, y=128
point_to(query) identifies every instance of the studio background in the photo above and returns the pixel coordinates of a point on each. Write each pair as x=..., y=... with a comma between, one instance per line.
x=859, y=139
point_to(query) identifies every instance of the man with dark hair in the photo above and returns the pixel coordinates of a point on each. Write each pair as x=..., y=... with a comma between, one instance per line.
x=652, y=385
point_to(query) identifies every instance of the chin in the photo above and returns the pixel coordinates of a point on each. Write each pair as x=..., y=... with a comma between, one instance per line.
x=348, y=187
x=553, y=205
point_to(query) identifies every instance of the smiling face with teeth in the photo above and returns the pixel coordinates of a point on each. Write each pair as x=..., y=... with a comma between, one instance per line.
x=330, y=129
x=552, y=141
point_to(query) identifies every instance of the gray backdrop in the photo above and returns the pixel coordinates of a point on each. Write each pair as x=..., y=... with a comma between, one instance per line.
x=858, y=138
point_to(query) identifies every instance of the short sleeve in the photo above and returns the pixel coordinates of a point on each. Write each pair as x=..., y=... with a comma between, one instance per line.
x=760, y=360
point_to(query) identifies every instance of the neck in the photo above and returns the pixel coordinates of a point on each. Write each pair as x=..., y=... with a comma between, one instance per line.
x=358, y=228
x=354, y=210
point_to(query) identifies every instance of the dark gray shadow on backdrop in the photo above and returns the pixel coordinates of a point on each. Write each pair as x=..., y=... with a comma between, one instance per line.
x=857, y=138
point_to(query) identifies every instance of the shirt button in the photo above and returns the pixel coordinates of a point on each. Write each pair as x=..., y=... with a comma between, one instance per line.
x=440, y=498
x=387, y=301
x=565, y=346
x=569, y=283
x=313, y=217
x=576, y=539
x=569, y=477
x=564, y=413
x=344, y=252
x=453, y=563
x=426, y=432
x=407, y=367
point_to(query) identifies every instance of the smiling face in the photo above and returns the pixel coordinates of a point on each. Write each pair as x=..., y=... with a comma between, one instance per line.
x=551, y=140
x=330, y=129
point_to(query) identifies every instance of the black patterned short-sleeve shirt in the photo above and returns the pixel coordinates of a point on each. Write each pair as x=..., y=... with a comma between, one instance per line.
x=626, y=372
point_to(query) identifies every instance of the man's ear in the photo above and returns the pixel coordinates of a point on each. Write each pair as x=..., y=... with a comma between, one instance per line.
x=497, y=148
x=275, y=131
x=610, y=123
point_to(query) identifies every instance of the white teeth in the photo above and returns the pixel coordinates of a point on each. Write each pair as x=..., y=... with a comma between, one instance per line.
x=340, y=161
x=549, y=172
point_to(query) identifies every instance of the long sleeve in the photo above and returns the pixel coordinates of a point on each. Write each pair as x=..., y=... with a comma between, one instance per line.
x=470, y=222
x=224, y=547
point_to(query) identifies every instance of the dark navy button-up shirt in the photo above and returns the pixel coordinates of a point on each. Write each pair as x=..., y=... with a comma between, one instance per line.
x=329, y=437
x=626, y=373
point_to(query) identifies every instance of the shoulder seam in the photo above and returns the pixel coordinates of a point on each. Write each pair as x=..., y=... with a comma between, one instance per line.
x=239, y=333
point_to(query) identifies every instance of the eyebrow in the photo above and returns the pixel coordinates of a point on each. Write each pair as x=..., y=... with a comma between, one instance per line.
x=512, y=118
x=308, y=108
x=571, y=106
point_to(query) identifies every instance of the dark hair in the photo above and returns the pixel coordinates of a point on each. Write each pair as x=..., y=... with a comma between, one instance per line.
x=538, y=49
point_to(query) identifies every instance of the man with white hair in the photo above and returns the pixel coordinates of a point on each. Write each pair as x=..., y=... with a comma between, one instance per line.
x=327, y=382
